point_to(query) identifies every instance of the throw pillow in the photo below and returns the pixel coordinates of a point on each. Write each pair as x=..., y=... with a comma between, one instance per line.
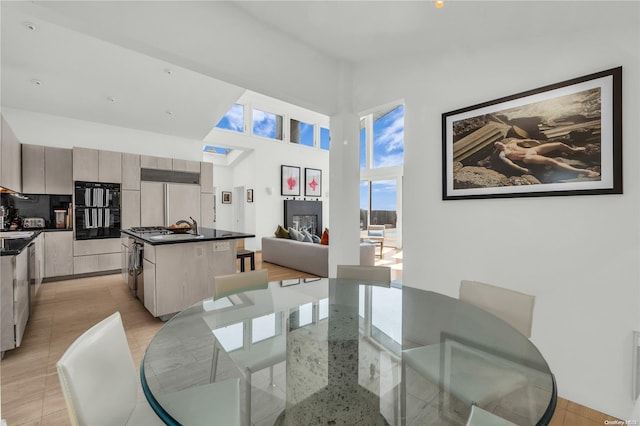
x=307, y=237
x=376, y=233
x=295, y=235
x=324, y=240
x=315, y=238
x=281, y=232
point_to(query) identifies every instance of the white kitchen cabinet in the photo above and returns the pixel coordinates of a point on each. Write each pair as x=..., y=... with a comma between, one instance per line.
x=14, y=299
x=206, y=177
x=58, y=171
x=99, y=246
x=149, y=273
x=109, y=166
x=58, y=253
x=85, y=164
x=206, y=210
x=151, y=204
x=10, y=159
x=152, y=162
x=129, y=208
x=47, y=170
x=130, y=171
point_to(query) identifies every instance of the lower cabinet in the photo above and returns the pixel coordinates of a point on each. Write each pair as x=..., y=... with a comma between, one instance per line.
x=91, y=256
x=58, y=253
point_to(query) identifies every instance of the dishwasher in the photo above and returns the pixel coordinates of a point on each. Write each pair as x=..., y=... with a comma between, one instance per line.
x=136, y=276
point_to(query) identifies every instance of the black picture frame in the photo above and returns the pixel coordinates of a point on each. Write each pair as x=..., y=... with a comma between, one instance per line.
x=583, y=115
x=290, y=180
x=312, y=182
x=226, y=197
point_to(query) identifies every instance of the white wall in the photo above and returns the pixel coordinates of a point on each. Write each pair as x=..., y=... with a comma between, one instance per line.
x=578, y=255
x=259, y=170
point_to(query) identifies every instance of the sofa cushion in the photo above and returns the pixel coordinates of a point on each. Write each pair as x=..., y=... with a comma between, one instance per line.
x=281, y=232
x=306, y=237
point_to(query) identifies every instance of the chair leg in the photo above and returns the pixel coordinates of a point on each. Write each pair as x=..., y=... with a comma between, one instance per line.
x=214, y=363
x=247, y=399
x=403, y=393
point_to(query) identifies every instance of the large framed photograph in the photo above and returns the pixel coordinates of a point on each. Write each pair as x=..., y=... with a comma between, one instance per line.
x=312, y=182
x=561, y=139
x=290, y=176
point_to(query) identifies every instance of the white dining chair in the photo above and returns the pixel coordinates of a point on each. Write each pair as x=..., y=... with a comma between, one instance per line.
x=509, y=305
x=226, y=285
x=377, y=274
x=99, y=380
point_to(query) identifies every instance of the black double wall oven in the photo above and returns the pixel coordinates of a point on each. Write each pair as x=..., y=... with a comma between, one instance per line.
x=97, y=210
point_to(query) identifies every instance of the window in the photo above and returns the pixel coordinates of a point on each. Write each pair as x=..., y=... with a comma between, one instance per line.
x=230, y=337
x=388, y=138
x=325, y=138
x=217, y=150
x=301, y=132
x=233, y=120
x=267, y=125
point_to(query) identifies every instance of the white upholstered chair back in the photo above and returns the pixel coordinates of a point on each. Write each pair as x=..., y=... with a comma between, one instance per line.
x=378, y=274
x=99, y=380
x=511, y=306
x=225, y=285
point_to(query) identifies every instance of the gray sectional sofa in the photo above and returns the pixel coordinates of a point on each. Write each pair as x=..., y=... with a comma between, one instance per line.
x=306, y=257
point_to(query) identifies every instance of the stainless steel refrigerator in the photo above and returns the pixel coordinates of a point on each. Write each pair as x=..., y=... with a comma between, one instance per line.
x=162, y=204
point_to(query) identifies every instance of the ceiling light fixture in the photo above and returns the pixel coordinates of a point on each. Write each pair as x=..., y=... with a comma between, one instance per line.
x=30, y=26
x=168, y=71
x=169, y=112
x=438, y=4
x=111, y=99
x=36, y=82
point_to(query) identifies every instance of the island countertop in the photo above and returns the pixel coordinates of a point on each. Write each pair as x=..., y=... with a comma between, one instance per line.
x=167, y=237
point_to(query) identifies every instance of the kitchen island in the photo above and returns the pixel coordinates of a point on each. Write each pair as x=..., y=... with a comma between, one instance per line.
x=176, y=270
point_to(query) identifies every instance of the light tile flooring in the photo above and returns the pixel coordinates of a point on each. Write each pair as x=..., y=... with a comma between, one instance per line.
x=30, y=389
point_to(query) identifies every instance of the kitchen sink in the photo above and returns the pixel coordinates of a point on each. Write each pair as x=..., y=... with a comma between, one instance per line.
x=175, y=237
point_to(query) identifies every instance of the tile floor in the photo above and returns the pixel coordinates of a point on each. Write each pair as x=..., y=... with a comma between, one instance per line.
x=30, y=389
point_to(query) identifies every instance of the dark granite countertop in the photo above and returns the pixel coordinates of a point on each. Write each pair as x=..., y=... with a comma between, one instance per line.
x=205, y=234
x=12, y=246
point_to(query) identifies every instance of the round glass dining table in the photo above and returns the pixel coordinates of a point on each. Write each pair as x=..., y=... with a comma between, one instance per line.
x=344, y=352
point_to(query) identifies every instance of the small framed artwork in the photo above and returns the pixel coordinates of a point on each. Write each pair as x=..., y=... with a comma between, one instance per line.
x=226, y=197
x=561, y=139
x=249, y=195
x=290, y=176
x=312, y=182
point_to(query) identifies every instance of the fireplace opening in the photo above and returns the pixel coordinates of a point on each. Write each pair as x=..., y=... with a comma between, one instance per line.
x=306, y=222
x=303, y=214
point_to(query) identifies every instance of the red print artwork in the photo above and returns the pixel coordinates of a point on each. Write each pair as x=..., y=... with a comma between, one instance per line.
x=313, y=184
x=291, y=183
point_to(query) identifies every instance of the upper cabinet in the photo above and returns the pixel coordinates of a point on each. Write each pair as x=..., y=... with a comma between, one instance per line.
x=130, y=171
x=93, y=165
x=10, y=159
x=186, y=165
x=46, y=170
x=206, y=178
x=109, y=166
x=151, y=162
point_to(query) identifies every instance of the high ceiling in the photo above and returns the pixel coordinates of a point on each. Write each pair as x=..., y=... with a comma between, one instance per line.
x=148, y=65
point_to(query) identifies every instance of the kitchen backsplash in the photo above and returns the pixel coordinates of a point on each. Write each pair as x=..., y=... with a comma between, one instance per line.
x=34, y=206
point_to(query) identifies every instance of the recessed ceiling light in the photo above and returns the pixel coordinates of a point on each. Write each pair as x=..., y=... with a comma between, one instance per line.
x=438, y=4
x=169, y=112
x=30, y=26
x=111, y=99
x=168, y=71
x=36, y=82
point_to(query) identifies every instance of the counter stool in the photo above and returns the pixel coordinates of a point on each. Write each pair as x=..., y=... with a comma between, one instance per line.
x=242, y=255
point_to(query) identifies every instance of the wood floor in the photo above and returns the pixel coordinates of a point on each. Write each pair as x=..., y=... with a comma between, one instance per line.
x=30, y=389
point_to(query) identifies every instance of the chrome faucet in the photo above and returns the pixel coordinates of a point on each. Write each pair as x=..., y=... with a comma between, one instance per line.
x=194, y=225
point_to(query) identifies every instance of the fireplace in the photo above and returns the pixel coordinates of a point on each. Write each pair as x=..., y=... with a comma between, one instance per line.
x=301, y=214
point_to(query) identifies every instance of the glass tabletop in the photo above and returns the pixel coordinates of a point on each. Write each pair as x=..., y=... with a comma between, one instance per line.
x=328, y=351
